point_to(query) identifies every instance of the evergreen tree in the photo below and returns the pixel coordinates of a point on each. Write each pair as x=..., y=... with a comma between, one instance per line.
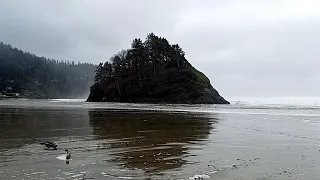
x=40, y=77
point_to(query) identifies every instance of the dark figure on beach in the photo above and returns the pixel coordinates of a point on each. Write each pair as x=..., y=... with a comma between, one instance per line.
x=68, y=157
x=50, y=145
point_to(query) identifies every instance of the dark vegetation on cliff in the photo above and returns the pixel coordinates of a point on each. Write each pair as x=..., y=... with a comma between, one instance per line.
x=39, y=77
x=152, y=71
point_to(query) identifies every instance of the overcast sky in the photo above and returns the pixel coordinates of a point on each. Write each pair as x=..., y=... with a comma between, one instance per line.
x=245, y=47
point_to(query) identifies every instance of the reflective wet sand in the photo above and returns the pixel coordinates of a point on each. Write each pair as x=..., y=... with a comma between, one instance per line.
x=144, y=144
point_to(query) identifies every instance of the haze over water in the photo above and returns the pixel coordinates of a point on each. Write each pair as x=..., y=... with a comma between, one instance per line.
x=263, y=138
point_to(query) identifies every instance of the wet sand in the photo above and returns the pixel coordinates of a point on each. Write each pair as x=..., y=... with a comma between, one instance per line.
x=145, y=144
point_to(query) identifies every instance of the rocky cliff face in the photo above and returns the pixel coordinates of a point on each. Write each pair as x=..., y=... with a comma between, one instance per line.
x=182, y=92
x=211, y=96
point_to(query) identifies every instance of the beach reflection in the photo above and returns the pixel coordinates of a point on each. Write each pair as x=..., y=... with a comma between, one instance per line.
x=151, y=141
x=21, y=126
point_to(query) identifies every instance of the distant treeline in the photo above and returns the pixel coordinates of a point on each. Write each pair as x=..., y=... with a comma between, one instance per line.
x=39, y=77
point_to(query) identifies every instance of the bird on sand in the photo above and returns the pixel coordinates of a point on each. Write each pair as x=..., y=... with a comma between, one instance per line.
x=68, y=157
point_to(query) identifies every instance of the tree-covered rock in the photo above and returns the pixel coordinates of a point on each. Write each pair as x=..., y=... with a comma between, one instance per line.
x=39, y=77
x=152, y=71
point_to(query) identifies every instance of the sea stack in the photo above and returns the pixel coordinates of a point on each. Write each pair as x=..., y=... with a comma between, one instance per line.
x=152, y=71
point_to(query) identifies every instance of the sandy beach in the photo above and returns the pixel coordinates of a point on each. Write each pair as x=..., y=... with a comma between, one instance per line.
x=132, y=141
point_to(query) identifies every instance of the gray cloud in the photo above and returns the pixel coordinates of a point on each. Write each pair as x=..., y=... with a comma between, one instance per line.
x=246, y=48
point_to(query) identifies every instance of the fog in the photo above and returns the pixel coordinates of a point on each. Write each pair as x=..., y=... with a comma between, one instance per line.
x=246, y=48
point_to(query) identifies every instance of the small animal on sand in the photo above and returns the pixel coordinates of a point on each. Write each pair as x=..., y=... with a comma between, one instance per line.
x=68, y=156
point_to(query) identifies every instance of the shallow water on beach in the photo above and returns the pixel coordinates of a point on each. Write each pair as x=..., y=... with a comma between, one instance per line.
x=241, y=141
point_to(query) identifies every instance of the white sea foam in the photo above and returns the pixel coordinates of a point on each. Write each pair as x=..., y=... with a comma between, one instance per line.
x=288, y=106
x=279, y=101
x=62, y=157
x=67, y=100
x=199, y=177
